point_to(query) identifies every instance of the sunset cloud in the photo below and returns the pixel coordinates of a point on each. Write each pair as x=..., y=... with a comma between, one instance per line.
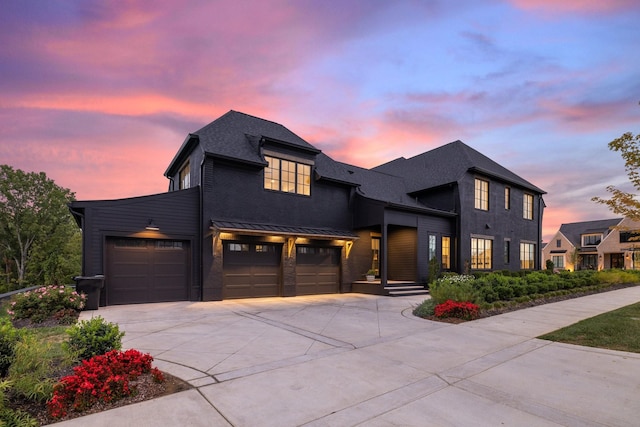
x=100, y=95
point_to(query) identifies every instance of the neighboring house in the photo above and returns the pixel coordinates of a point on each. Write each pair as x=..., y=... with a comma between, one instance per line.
x=253, y=210
x=595, y=245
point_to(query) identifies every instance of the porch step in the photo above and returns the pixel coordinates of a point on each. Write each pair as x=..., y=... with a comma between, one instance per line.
x=393, y=288
x=405, y=290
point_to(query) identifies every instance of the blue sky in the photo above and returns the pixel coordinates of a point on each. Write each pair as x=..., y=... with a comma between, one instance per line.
x=101, y=95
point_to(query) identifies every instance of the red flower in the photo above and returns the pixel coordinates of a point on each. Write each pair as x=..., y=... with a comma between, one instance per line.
x=462, y=310
x=105, y=377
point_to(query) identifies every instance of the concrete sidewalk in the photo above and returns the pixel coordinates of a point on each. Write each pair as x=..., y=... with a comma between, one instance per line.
x=352, y=359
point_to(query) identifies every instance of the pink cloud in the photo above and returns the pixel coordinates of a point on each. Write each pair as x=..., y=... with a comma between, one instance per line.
x=574, y=6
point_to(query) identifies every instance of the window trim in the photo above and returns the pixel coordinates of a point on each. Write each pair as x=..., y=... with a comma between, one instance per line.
x=481, y=194
x=527, y=208
x=288, y=180
x=184, y=176
x=487, y=253
x=507, y=198
x=531, y=246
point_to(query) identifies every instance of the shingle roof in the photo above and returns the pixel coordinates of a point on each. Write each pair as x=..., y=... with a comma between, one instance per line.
x=237, y=136
x=574, y=230
x=448, y=164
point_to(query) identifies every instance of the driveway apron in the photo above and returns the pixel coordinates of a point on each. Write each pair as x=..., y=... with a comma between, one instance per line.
x=353, y=359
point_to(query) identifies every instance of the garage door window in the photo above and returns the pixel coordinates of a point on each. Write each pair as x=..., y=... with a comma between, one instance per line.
x=130, y=243
x=168, y=244
x=238, y=247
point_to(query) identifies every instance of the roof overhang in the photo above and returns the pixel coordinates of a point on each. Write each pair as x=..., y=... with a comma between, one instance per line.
x=281, y=230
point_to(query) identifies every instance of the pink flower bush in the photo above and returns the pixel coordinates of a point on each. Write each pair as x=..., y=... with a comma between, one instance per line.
x=45, y=303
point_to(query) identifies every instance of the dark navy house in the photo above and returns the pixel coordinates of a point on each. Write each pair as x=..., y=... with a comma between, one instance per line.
x=253, y=210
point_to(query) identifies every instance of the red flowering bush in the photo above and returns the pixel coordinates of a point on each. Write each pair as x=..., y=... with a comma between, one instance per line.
x=103, y=378
x=462, y=310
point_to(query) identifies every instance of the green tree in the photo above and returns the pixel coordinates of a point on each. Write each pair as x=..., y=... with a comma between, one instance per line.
x=38, y=239
x=622, y=202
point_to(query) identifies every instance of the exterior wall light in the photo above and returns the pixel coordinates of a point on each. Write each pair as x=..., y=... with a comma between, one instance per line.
x=152, y=226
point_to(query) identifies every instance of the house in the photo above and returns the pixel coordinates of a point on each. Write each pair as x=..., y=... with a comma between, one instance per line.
x=595, y=245
x=253, y=210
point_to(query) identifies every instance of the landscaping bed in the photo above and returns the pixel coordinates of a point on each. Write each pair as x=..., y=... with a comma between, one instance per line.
x=54, y=368
x=490, y=294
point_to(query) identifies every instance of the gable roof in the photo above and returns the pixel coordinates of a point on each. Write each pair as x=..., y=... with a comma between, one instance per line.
x=573, y=231
x=447, y=164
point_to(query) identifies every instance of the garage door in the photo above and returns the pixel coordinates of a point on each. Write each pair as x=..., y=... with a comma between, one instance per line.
x=317, y=270
x=144, y=270
x=251, y=270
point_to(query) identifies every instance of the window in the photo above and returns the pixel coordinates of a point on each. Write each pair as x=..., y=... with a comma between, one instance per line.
x=629, y=236
x=591, y=239
x=185, y=177
x=446, y=253
x=432, y=247
x=507, y=198
x=558, y=261
x=481, y=251
x=558, y=243
x=507, y=251
x=482, y=195
x=527, y=206
x=375, y=254
x=168, y=244
x=287, y=176
x=238, y=247
x=527, y=256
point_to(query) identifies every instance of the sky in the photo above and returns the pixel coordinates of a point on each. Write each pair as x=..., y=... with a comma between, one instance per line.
x=100, y=95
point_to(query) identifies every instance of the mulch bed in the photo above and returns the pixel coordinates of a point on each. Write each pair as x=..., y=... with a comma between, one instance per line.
x=534, y=303
x=146, y=388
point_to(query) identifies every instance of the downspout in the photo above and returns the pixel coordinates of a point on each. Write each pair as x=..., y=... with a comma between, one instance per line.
x=200, y=236
x=384, y=251
x=540, y=213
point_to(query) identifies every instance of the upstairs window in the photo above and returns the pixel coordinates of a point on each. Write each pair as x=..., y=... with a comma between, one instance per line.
x=507, y=198
x=482, y=194
x=591, y=239
x=287, y=176
x=527, y=206
x=185, y=177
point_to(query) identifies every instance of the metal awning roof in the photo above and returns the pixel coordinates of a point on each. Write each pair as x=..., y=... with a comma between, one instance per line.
x=282, y=230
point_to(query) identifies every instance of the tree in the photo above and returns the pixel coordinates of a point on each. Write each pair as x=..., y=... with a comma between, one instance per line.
x=621, y=202
x=38, y=239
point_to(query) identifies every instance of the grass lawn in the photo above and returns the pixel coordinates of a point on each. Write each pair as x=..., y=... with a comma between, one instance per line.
x=615, y=330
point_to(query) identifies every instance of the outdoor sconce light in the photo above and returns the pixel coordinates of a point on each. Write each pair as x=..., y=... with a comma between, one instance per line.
x=152, y=226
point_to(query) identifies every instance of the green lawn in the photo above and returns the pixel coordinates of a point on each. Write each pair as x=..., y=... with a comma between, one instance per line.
x=615, y=330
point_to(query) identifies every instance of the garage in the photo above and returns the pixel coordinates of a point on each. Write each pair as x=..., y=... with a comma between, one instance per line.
x=146, y=271
x=251, y=269
x=317, y=270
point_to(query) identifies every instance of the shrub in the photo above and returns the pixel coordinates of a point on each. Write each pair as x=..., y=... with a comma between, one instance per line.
x=10, y=417
x=30, y=371
x=455, y=288
x=93, y=337
x=8, y=339
x=44, y=303
x=102, y=378
x=459, y=309
x=425, y=309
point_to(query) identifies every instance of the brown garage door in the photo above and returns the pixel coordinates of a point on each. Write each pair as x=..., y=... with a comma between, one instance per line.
x=251, y=270
x=144, y=270
x=317, y=270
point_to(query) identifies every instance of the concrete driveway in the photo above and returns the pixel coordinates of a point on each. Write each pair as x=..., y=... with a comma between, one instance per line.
x=352, y=359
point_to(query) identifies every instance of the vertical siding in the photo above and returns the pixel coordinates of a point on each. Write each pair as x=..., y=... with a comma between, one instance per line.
x=402, y=253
